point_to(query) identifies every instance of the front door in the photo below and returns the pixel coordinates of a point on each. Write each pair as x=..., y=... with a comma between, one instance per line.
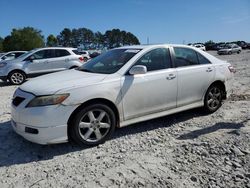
x=152, y=92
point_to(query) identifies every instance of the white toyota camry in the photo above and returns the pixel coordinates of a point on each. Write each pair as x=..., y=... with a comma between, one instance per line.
x=120, y=87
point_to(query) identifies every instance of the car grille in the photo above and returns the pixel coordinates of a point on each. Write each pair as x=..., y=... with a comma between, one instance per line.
x=17, y=100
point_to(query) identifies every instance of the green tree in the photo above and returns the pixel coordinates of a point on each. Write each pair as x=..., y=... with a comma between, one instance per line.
x=51, y=41
x=26, y=38
x=1, y=44
x=65, y=38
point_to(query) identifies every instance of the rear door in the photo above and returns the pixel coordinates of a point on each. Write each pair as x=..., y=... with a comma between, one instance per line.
x=195, y=74
x=60, y=59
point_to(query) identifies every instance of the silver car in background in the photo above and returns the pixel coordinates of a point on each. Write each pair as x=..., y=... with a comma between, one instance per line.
x=229, y=49
x=11, y=55
x=39, y=61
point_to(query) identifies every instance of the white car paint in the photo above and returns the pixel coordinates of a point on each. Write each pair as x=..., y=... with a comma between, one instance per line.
x=136, y=97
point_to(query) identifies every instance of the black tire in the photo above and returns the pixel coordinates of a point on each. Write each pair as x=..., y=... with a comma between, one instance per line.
x=17, y=77
x=238, y=52
x=213, y=98
x=87, y=134
x=85, y=59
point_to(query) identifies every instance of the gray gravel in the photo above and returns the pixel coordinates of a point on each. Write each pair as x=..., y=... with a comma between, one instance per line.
x=188, y=149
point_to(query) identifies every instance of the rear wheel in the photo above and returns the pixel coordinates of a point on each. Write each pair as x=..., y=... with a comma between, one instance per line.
x=213, y=98
x=92, y=125
x=17, y=77
x=85, y=59
x=238, y=52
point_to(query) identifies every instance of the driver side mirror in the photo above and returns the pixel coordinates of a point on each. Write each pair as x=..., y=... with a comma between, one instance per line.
x=138, y=69
x=31, y=58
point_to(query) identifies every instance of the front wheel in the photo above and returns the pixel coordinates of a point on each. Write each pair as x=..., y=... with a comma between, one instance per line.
x=213, y=99
x=17, y=77
x=92, y=125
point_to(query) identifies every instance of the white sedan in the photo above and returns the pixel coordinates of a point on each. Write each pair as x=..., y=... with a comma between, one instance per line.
x=120, y=87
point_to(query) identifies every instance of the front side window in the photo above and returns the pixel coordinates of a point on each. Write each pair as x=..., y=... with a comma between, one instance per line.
x=43, y=54
x=156, y=59
x=109, y=62
x=185, y=57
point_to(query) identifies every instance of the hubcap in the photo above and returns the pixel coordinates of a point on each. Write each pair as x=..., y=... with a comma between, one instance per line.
x=17, y=78
x=94, y=125
x=214, y=98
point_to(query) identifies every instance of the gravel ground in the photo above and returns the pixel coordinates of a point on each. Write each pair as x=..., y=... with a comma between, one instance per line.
x=188, y=149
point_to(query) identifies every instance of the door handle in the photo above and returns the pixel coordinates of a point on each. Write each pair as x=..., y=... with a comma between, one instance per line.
x=171, y=77
x=209, y=69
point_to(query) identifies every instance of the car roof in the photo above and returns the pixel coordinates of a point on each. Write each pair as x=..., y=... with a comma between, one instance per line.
x=64, y=48
x=153, y=46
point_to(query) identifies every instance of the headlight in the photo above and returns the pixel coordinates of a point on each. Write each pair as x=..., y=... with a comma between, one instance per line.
x=3, y=65
x=47, y=100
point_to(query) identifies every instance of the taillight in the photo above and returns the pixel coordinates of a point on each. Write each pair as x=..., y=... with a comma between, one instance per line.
x=81, y=59
x=231, y=69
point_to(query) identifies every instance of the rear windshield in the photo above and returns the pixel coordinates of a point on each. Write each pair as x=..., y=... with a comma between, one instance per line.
x=76, y=52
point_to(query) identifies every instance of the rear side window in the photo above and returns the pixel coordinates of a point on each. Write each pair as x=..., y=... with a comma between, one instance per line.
x=76, y=52
x=185, y=57
x=202, y=59
x=156, y=59
x=61, y=53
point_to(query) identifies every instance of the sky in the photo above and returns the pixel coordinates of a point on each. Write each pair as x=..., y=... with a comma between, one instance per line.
x=160, y=21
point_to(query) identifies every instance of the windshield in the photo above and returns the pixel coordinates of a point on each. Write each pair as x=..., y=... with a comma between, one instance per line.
x=109, y=62
x=26, y=54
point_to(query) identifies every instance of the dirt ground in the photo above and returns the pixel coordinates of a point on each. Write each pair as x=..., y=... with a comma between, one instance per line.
x=188, y=149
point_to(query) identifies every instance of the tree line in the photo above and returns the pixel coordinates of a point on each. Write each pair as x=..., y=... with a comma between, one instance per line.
x=28, y=38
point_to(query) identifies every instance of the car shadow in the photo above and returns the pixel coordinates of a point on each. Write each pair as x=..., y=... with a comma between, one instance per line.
x=221, y=125
x=4, y=84
x=16, y=150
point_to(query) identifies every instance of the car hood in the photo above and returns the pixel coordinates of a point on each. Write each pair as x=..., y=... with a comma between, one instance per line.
x=52, y=83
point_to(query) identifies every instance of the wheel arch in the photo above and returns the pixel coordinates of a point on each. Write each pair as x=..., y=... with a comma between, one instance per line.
x=95, y=101
x=221, y=84
x=16, y=70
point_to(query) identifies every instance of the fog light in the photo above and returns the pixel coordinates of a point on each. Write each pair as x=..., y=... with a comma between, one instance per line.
x=31, y=130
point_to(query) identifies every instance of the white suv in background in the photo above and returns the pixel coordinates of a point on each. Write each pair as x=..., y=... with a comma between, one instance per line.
x=39, y=61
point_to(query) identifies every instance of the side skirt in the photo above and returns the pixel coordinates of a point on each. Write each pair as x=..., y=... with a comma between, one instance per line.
x=161, y=114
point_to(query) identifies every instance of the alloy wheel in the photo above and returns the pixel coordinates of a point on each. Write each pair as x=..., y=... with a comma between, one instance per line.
x=94, y=125
x=214, y=98
x=17, y=78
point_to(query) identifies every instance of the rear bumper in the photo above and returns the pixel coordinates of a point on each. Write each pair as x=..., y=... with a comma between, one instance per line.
x=45, y=135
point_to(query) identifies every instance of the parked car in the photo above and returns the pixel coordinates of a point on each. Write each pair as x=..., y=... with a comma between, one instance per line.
x=229, y=49
x=37, y=62
x=84, y=54
x=94, y=54
x=120, y=87
x=11, y=55
x=200, y=46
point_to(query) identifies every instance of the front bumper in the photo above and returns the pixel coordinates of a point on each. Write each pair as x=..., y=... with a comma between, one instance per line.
x=47, y=135
x=49, y=123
